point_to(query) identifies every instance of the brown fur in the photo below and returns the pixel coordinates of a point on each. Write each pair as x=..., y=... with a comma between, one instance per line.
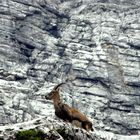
x=66, y=112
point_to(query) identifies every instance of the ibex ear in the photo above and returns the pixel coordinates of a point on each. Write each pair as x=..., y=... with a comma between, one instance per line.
x=57, y=89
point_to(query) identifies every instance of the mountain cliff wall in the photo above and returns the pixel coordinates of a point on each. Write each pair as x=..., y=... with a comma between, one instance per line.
x=92, y=45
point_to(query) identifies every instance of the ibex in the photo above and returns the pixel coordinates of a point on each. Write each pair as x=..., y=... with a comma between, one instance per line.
x=67, y=113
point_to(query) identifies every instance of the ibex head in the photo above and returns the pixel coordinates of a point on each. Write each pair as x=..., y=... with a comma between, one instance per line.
x=54, y=93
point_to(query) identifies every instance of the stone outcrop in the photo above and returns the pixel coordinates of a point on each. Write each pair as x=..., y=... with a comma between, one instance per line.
x=55, y=129
x=52, y=128
x=93, y=46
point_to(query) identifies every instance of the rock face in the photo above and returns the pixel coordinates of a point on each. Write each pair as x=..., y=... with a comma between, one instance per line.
x=92, y=45
x=55, y=129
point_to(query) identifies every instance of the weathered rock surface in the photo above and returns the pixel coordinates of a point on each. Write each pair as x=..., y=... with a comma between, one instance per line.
x=52, y=128
x=94, y=46
x=55, y=129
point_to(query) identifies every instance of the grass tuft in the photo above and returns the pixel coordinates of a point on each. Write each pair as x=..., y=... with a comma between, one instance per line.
x=31, y=134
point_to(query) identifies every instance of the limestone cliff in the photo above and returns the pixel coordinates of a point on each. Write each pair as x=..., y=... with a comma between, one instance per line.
x=92, y=45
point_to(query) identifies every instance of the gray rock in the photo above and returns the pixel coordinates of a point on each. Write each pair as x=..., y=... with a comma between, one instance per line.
x=57, y=129
x=93, y=46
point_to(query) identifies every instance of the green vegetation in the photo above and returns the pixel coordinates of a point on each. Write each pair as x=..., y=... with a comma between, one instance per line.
x=31, y=134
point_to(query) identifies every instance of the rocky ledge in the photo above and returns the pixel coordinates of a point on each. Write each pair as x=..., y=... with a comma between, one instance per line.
x=55, y=129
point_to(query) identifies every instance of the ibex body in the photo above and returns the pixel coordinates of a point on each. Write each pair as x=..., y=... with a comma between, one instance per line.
x=66, y=112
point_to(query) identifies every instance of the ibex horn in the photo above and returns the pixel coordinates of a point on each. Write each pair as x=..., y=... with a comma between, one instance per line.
x=56, y=87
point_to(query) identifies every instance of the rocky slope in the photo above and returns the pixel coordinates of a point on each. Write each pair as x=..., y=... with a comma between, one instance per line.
x=55, y=129
x=92, y=45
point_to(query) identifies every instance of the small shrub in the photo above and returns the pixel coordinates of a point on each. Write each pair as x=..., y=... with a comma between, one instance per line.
x=31, y=134
x=62, y=133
